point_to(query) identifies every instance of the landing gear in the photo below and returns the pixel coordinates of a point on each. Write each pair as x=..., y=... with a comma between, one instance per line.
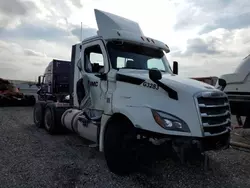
x=246, y=123
x=239, y=120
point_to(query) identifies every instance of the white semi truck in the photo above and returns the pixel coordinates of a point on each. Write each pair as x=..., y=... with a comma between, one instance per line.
x=132, y=96
x=237, y=87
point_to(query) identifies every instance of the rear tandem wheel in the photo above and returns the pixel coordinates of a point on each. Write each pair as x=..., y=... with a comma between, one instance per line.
x=52, y=119
x=38, y=114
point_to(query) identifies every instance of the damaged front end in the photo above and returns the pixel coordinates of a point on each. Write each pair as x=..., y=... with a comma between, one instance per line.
x=215, y=119
x=214, y=123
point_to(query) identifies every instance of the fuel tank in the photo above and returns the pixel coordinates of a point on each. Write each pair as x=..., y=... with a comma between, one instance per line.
x=76, y=121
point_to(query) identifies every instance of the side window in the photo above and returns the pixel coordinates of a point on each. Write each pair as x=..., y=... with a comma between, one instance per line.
x=47, y=78
x=93, y=59
x=43, y=79
x=96, y=58
x=155, y=63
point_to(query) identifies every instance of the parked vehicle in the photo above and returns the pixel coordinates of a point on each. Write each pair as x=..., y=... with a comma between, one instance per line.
x=123, y=94
x=11, y=96
x=237, y=86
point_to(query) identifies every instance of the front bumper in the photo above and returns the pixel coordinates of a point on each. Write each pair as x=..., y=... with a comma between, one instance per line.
x=203, y=144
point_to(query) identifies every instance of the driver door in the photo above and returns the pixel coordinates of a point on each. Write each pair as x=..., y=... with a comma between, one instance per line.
x=95, y=66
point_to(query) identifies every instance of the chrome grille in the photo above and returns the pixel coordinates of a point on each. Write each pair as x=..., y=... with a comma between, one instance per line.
x=214, y=112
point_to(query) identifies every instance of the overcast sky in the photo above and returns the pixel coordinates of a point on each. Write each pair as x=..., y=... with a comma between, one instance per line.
x=207, y=37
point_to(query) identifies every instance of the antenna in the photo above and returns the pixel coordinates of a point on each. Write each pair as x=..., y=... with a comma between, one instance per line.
x=81, y=32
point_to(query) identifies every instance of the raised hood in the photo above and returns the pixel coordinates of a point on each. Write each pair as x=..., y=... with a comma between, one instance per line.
x=175, y=82
x=113, y=27
x=241, y=73
x=107, y=22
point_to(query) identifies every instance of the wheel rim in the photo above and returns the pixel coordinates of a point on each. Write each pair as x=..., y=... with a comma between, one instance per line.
x=47, y=119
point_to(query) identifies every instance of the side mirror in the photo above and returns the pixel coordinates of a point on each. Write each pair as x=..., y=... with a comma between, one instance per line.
x=222, y=83
x=155, y=74
x=39, y=81
x=175, y=67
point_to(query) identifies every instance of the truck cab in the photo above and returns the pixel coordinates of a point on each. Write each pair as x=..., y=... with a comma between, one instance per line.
x=236, y=85
x=54, y=83
x=125, y=93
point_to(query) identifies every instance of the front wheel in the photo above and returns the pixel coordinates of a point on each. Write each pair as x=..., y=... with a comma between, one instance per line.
x=120, y=147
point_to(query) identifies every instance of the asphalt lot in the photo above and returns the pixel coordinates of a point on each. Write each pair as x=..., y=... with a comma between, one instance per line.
x=29, y=157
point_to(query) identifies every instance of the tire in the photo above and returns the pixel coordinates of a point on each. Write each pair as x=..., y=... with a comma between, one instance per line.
x=52, y=119
x=38, y=114
x=120, y=160
x=49, y=119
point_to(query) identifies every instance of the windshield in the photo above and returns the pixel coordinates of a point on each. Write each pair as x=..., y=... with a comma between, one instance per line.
x=131, y=56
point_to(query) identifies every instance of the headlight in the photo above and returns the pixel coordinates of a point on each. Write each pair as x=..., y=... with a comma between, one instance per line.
x=169, y=122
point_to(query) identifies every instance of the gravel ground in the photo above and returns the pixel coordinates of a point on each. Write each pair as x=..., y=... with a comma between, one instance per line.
x=29, y=157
